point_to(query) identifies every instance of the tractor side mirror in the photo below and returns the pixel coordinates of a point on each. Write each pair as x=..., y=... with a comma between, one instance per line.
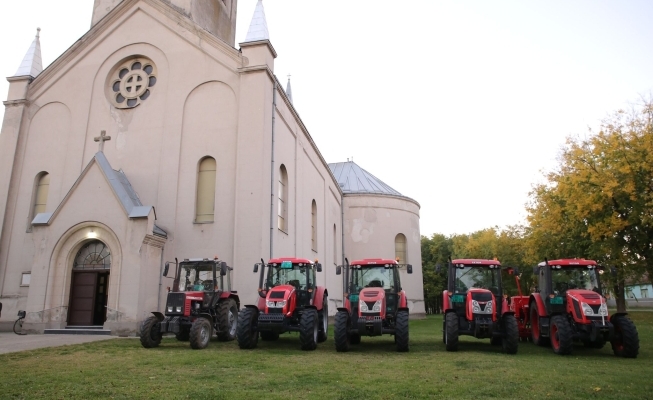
x=255, y=268
x=166, y=267
x=223, y=268
x=409, y=268
x=438, y=268
x=318, y=266
x=338, y=270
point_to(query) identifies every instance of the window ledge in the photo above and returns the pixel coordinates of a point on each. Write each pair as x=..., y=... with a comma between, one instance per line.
x=203, y=223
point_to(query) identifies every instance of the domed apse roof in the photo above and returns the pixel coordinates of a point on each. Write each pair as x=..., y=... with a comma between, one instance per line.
x=354, y=179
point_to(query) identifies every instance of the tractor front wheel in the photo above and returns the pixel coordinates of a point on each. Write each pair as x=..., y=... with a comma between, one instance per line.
x=536, y=334
x=227, y=320
x=451, y=331
x=401, y=331
x=151, y=333
x=626, y=339
x=341, y=334
x=200, y=333
x=510, y=340
x=308, y=327
x=247, y=332
x=323, y=315
x=562, y=339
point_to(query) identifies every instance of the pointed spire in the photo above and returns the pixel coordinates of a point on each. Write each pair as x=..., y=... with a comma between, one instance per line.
x=289, y=90
x=258, y=29
x=32, y=65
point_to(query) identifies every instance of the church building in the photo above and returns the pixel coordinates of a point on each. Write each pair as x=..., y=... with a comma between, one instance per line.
x=154, y=137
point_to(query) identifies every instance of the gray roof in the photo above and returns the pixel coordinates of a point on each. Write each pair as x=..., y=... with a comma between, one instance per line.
x=258, y=28
x=354, y=179
x=32, y=64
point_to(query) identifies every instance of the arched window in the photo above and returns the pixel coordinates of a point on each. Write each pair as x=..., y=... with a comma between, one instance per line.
x=283, y=199
x=205, y=207
x=400, y=248
x=314, y=226
x=41, y=189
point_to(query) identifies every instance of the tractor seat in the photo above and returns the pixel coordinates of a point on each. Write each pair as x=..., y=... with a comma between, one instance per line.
x=375, y=283
x=295, y=283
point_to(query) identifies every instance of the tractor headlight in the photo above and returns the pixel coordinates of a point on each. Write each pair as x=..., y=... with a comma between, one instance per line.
x=178, y=309
x=377, y=306
x=476, y=307
x=273, y=304
x=587, y=310
x=363, y=306
x=169, y=308
x=603, y=310
x=488, y=307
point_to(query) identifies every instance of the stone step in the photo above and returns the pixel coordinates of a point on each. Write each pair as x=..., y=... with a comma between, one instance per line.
x=77, y=331
x=99, y=327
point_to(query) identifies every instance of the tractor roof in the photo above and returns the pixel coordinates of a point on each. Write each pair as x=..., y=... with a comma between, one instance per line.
x=373, y=262
x=292, y=260
x=570, y=262
x=476, y=262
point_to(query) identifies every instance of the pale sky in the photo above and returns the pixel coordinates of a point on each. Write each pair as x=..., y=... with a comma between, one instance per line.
x=457, y=104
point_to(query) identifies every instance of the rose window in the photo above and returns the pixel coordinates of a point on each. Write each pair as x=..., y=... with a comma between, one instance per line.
x=132, y=82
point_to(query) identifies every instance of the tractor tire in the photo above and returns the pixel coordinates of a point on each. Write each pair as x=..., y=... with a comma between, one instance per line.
x=268, y=336
x=451, y=331
x=323, y=317
x=200, y=333
x=510, y=340
x=401, y=331
x=341, y=331
x=247, y=332
x=308, y=328
x=536, y=334
x=183, y=335
x=562, y=339
x=151, y=333
x=626, y=339
x=227, y=320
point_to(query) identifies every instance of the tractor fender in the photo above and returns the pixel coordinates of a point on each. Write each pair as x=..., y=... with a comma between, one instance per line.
x=207, y=316
x=261, y=304
x=236, y=299
x=158, y=315
x=617, y=315
x=311, y=307
x=403, y=301
x=446, y=300
x=343, y=309
x=509, y=312
x=403, y=309
x=320, y=292
x=537, y=299
x=252, y=307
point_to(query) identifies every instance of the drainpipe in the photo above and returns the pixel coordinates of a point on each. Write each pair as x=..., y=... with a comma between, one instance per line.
x=342, y=232
x=274, y=112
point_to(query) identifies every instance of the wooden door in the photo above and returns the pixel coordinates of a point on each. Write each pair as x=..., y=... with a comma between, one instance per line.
x=82, y=298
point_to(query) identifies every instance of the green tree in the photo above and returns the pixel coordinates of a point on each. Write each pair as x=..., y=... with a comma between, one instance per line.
x=598, y=203
x=436, y=250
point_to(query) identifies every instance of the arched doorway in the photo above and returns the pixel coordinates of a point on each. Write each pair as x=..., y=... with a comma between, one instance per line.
x=90, y=281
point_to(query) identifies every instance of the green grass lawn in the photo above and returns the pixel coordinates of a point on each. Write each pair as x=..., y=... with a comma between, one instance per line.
x=122, y=369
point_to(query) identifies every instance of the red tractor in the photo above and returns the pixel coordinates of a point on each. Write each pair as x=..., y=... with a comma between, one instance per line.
x=569, y=305
x=474, y=305
x=375, y=303
x=290, y=301
x=201, y=303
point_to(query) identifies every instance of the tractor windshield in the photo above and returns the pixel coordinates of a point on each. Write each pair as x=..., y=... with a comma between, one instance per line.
x=469, y=276
x=198, y=277
x=565, y=278
x=302, y=278
x=372, y=276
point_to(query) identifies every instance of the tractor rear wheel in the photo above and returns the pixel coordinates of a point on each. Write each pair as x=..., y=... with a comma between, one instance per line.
x=247, y=328
x=401, y=331
x=451, y=331
x=308, y=328
x=562, y=339
x=510, y=340
x=227, y=320
x=183, y=335
x=200, y=333
x=626, y=339
x=151, y=332
x=341, y=331
x=536, y=334
x=323, y=317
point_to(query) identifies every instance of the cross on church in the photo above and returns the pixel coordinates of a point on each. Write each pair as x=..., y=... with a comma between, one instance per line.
x=102, y=138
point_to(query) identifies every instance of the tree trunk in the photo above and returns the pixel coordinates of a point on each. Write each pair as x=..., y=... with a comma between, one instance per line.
x=620, y=296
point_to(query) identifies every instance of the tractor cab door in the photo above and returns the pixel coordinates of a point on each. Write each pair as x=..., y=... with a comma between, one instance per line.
x=306, y=293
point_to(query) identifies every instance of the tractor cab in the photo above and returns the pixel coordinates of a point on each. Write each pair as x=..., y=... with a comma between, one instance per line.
x=294, y=278
x=199, y=283
x=474, y=287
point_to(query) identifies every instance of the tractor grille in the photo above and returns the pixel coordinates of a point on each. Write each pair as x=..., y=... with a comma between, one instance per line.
x=482, y=296
x=175, y=300
x=370, y=304
x=591, y=296
x=270, y=318
x=371, y=294
x=275, y=310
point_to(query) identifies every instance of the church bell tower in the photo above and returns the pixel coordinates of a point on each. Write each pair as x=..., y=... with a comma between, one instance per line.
x=215, y=16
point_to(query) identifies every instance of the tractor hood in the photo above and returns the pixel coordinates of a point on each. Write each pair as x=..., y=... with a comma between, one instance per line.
x=279, y=299
x=481, y=301
x=371, y=302
x=589, y=302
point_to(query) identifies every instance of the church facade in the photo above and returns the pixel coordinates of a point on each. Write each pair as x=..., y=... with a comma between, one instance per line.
x=153, y=138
